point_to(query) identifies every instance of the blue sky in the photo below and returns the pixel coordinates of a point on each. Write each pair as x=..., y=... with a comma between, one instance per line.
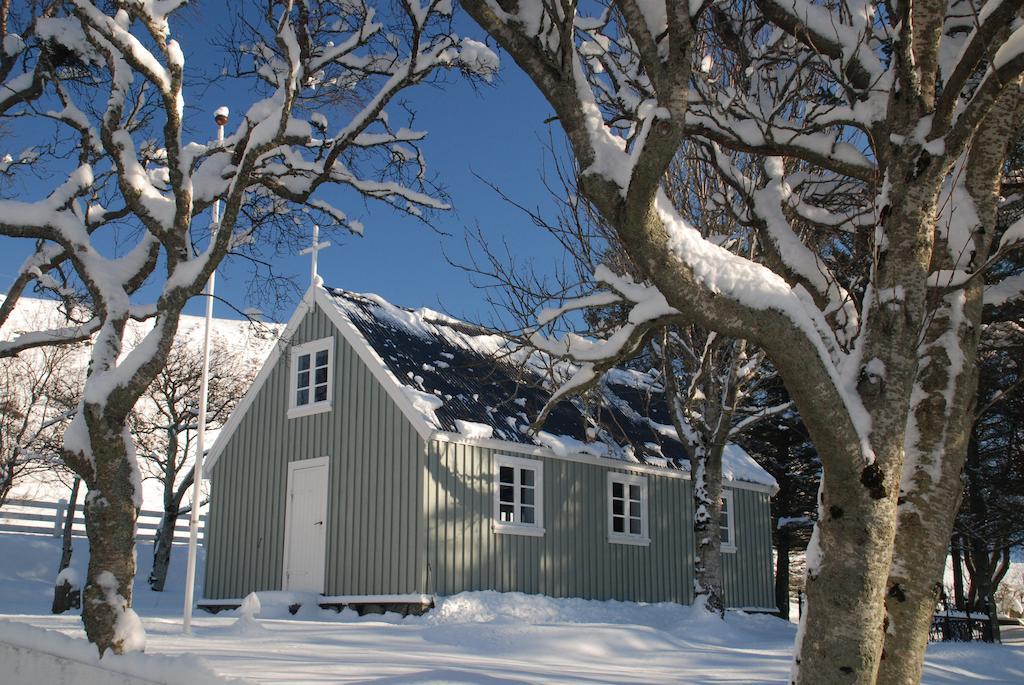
x=496, y=132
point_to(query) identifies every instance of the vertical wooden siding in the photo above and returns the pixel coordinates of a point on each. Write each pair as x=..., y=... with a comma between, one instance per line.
x=749, y=571
x=574, y=557
x=376, y=532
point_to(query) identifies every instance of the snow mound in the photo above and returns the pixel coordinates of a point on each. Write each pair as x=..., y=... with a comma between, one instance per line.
x=247, y=625
x=172, y=670
x=515, y=607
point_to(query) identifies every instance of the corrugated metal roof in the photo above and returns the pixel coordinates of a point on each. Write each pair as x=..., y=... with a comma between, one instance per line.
x=463, y=378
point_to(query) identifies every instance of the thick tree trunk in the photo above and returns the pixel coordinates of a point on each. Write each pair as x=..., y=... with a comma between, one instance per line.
x=986, y=590
x=111, y=511
x=67, y=595
x=706, y=466
x=847, y=562
x=850, y=553
x=929, y=498
x=782, y=573
x=109, y=621
x=940, y=426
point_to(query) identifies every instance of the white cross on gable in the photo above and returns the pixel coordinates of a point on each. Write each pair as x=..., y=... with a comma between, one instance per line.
x=314, y=249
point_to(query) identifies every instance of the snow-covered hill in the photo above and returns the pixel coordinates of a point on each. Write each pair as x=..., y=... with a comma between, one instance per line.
x=252, y=342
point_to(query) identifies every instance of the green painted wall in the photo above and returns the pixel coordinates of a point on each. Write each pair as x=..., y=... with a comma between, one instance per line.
x=749, y=571
x=574, y=557
x=376, y=529
x=402, y=520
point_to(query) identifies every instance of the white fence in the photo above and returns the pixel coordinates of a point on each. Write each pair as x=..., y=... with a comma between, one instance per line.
x=47, y=518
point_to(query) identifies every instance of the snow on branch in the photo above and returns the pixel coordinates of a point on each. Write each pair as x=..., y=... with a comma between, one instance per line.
x=1005, y=291
x=648, y=311
x=628, y=98
x=108, y=83
x=748, y=422
x=846, y=39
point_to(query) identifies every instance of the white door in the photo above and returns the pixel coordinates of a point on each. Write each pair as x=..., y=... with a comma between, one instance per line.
x=306, y=526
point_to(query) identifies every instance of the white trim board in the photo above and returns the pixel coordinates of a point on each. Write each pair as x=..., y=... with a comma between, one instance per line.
x=409, y=598
x=318, y=296
x=643, y=538
x=231, y=425
x=579, y=457
x=499, y=527
x=730, y=514
x=369, y=357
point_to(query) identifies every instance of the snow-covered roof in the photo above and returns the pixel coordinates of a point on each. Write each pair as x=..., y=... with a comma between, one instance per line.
x=465, y=380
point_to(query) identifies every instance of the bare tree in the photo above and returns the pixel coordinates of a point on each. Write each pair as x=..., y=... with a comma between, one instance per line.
x=163, y=426
x=37, y=400
x=111, y=94
x=782, y=448
x=908, y=106
x=990, y=524
x=715, y=388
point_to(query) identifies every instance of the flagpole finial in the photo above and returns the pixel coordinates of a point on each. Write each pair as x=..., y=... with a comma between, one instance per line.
x=220, y=117
x=314, y=249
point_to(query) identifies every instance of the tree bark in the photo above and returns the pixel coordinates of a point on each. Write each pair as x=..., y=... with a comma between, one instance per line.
x=986, y=591
x=162, y=550
x=982, y=587
x=782, y=573
x=66, y=596
x=1001, y=564
x=163, y=544
x=706, y=466
x=111, y=512
x=940, y=425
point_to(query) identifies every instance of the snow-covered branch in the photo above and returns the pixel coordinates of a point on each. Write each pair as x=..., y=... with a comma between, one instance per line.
x=99, y=90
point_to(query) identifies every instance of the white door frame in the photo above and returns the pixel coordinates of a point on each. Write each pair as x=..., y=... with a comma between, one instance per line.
x=294, y=466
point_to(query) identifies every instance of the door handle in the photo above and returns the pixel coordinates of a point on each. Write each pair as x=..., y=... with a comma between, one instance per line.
x=319, y=523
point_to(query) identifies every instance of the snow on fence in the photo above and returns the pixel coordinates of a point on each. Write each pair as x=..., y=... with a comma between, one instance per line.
x=47, y=518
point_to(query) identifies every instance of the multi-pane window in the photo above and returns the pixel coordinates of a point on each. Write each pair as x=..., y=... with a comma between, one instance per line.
x=725, y=524
x=311, y=382
x=627, y=508
x=311, y=377
x=518, y=495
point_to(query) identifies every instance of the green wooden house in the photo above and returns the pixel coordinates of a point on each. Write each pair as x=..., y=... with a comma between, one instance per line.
x=383, y=457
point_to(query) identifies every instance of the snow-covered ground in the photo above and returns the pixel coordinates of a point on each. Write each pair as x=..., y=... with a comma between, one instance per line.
x=486, y=638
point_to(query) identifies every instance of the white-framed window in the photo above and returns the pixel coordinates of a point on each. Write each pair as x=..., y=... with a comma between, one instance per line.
x=311, y=377
x=518, y=495
x=726, y=523
x=627, y=509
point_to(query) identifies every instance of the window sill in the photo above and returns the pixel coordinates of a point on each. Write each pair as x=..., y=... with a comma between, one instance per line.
x=728, y=549
x=309, y=409
x=635, y=540
x=506, y=529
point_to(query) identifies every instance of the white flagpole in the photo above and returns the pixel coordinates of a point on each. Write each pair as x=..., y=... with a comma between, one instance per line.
x=220, y=117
